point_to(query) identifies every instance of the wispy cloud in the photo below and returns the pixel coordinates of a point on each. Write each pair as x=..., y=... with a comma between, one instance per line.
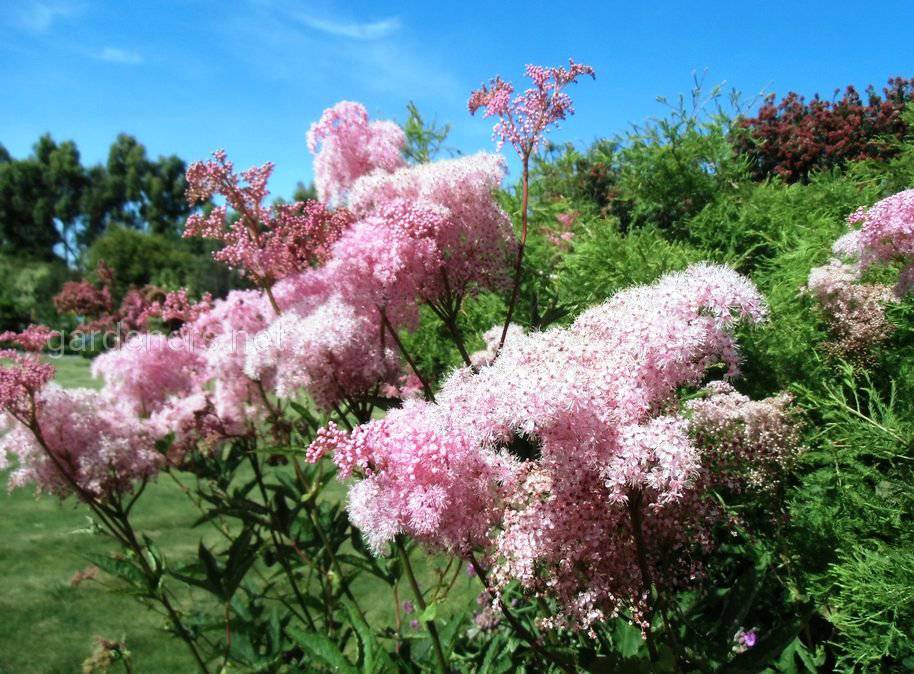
x=353, y=30
x=124, y=56
x=40, y=15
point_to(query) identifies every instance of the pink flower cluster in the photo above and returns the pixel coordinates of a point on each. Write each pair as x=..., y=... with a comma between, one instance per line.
x=348, y=146
x=22, y=376
x=333, y=353
x=540, y=456
x=33, y=338
x=77, y=437
x=267, y=243
x=524, y=119
x=65, y=441
x=855, y=311
x=749, y=443
x=885, y=234
x=146, y=370
x=175, y=309
x=449, y=205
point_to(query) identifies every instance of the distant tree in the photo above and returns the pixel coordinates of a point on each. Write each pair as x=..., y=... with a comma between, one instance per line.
x=140, y=258
x=40, y=201
x=133, y=191
x=304, y=192
x=51, y=206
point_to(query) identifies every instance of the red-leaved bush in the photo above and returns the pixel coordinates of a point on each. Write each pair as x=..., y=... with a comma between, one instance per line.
x=793, y=137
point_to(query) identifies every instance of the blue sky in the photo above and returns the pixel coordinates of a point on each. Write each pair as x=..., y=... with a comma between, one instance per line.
x=190, y=76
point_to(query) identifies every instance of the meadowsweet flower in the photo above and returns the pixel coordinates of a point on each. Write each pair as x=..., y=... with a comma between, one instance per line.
x=146, y=370
x=524, y=118
x=491, y=338
x=854, y=311
x=33, y=338
x=176, y=308
x=77, y=436
x=22, y=377
x=747, y=443
x=417, y=478
x=884, y=233
x=334, y=353
x=223, y=336
x=540, y=456
x=266, y=243
x=454, y=210
x=348, y=146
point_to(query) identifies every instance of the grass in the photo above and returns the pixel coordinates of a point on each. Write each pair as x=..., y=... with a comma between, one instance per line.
x=49, y=626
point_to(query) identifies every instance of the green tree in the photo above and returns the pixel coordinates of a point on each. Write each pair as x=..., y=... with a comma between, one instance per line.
x=134, y=191
x=40, y=200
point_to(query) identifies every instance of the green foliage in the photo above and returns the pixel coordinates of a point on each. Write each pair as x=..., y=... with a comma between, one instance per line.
x=26, y=288
x=52, y=206
x=602, y=261
x=138, y=258
x=424, y=140
x=39, y=200
x=671, y=168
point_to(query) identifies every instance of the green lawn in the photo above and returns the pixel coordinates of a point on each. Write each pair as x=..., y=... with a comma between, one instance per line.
x=49, y=626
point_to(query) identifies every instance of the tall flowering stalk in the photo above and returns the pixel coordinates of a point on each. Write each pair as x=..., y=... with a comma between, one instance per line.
x=266, y=243
x=523, y=122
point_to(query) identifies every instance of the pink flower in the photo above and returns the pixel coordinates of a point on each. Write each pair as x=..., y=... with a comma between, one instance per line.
x=334, y=353
x=449, y=208
x=854, y=311
x=146, y=370
x=33, y=338
x=525, y=118
x=22, y=377
x=176, y=309
x=539, y=456
x=78, y=435
x=885, y=234
x=348, y=146
x=267, y=243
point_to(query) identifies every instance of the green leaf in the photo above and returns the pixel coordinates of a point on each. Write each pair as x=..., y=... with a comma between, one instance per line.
x=428, y=613
x=211, y=566
x=122, y=569
x=323, y=649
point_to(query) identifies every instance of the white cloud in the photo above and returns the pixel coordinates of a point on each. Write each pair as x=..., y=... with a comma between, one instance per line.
x=354, y=30
x=40, y=16
x=115, y=55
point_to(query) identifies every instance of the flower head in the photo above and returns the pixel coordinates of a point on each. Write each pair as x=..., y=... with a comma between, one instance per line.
x=348, y=146
x=525, y=118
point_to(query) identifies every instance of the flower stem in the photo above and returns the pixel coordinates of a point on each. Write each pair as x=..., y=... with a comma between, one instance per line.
x=420, y=599
x=429, y=394
x=525, y=198
x=521, y=631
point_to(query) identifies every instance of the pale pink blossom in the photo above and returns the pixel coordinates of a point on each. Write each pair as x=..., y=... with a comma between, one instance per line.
x=348, y=146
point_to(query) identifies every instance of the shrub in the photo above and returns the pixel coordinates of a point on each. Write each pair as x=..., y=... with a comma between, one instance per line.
x=791, y=138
